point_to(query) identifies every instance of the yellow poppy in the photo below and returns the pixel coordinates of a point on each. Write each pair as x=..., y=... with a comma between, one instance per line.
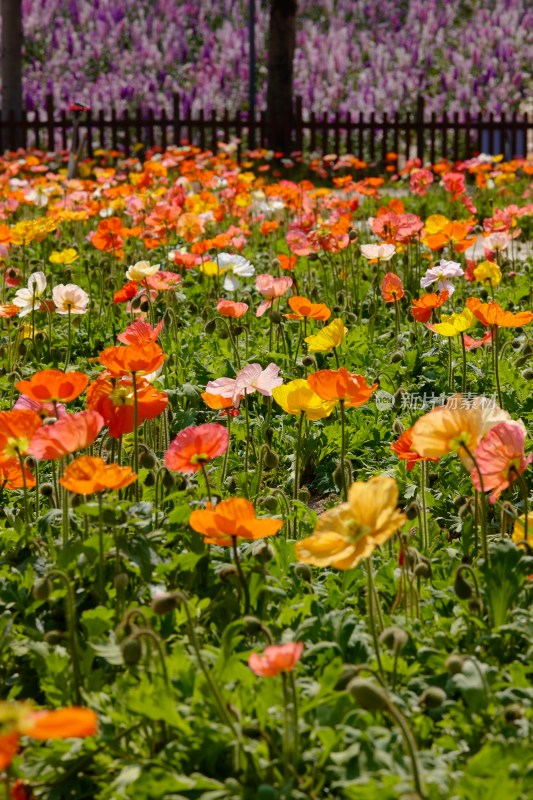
x=67, y=256
x=330, y=336
x=519, y=530
x=488, y=273
x=297, y=396
x=454, y=324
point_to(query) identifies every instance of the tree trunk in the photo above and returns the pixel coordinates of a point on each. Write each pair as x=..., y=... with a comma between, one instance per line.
x=12, y=63
x=281, y=44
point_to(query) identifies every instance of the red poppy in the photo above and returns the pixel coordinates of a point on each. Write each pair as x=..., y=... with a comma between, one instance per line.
x=113, y=399
x=127, y=292
x=195, y=446
x=54, y=386
x=142, y=359
x=109, y=236
x=70, y=433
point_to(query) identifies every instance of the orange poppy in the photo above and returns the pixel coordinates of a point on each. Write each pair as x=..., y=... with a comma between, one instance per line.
x=196, y=445
x=403, y=447
x=392, y=288
x=453, y=234
x=11, y=475
x=424, y=306
x=126, y=359
x=232, y=519
x=8, y=311
x=54, y=386
x=140, y=333
x=216, y=402
x=113, y=399
x=109, y=237
x=17, y=429
x=490, y=314
x=88, y=474
x=127, y=292
x=70, y=433
x=339, y=384
x=287, y=262
x=305, y=309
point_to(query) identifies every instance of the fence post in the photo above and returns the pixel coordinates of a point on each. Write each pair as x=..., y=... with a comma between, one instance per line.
x=50, y=121
x=176, y=127
x=419, y=125
x=298, y=124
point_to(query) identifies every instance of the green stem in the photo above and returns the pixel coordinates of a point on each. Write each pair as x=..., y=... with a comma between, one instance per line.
x=371, y=610
x=343, y=452
x=410, y=746
x=296, y=487
x=24, y=487
x=69, y=339
x=496, y=364
x=295, y=718
x=483, y=521
x=70, y=607
x=101, y=560
x=463, y=382
x=242, y=579
x=226, y=454
x=135, y=434
x=525, y=492
x=207, y=485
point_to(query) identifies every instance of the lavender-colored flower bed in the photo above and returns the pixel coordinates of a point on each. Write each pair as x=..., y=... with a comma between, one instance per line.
x=354, y=55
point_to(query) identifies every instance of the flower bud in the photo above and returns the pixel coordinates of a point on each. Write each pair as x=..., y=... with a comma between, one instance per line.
x=524, y=359
x=237, y=330
x=168, y=480
x=263, y=551
x=398, y=397
x=394, y=638
x=149, y=479
x=349, y=671
x=42, y=588
x=164, y=603
x=512, y=713
x=352, y=235
x=304, y=494
x=271, y=459
x=527, y=374
x=474, y=606
x=397, y=356
x=131, y=651
x=516, y=344
x=276, y=317
x=121, y=581
x=168, y=318
x=309, y=361
x=53, y=637
x=270, y=502
x=223, y=334
x=454, y=663
x=368, y=694
x=432, y=697
x=47, y=489
x=148, y=459
x=231, y=484
x=145, y=306
x=210, y=327
x=269, y=435
x=303, y=572
x=398, y=427
x=423, y=569
x=227, y=572
x=461, y=587
x=412, y=510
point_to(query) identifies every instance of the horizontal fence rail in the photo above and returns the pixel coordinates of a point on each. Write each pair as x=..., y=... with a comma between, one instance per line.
x=369, y=138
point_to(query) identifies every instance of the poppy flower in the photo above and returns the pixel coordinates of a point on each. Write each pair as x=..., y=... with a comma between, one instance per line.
x=195, y=446
x=454, y=324
x=287, y=262
x=8, y=310
x=114, y=398
x=349, y=533
x=330, y=336
x=270, y=287
x=276, y=658
x=70, y=299
x=140, y=333
x=392, y=288
x=500, y=457
x=142, y=359
x=70, y=433
x=127, y=292
x=459, y=425
x=44, y=410
x=142, y=270
x=67, y=256
x=305, y=309
x=232, y=519
x=488, y=272
x=88, y=474
x=229, y=308
x=490, y=314
x=424, y=306
x=378, y=252
x=216, y=402
x=297, y=397
x=331, y=384
x=454, y=235
x=471, y=343
x=17, y=429
x=442, y=272
x=251, y=378
x=54, y=386
x=29, y=299
x=19, y=719
x=403, y=447
x=11, y=476
x=519, y=530
x=109, y=237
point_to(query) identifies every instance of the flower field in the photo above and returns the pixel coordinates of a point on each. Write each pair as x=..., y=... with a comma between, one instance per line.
x=351, y=55
x=265, y=442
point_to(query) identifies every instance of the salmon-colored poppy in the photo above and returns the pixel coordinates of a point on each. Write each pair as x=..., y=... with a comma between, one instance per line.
x=114, y=399
x=11, y=476
x=425, y=305
x=88, y=474
x=490, y=314
x=54, y=386
x=500, y=458
x=17, y=429
x=229, y=308
x=304, y=309
x=392, y=288
x=139, y=359
x=403, y=447
x=195, y=446
x=140, y=333
x=70, y=433
x=339, y=384
x=276, y=658
x=232, y=519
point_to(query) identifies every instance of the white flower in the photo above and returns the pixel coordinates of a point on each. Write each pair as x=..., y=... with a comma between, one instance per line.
x=142, y=270
x=382, y=251
x=26, y=299
x=442, y=273
x=70, y=298
x=235, y=267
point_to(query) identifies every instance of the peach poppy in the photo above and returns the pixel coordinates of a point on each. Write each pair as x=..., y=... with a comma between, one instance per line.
x=403, y=447
x=140, y=333
x=88, y=474
x=113, y=398
x=195, y=446
x=305, y=309
x=232, y=519
x=425, y=305
x=17, y=429
x=141, y=359
x=229, y=308
x=339, y=384
x=490, y=314
x=271, y=288
x=70, y=433
x=54, y=386
x=276, y=658
x=392, y=288
x=396, y=228
x=500, y=457
x=11, y=476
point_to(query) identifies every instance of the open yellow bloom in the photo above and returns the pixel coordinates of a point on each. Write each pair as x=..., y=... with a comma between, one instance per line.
x=330, y=336
x=211, y=268
x=348, y=533
x=67, y=256
x=488, y=273
x=297, y=397
x=435, y=223
x=519, y=530
x=454, y=324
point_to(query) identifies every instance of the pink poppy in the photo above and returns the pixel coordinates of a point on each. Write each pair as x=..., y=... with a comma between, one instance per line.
x=42, y=409
x=70, y=433
x=195, y=446
x=271, y=288
x=471, y=344
x=500, y=455
x=140, y=332
x=250, y=379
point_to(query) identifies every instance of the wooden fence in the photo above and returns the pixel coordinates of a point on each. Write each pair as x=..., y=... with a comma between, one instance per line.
x=368, y=137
